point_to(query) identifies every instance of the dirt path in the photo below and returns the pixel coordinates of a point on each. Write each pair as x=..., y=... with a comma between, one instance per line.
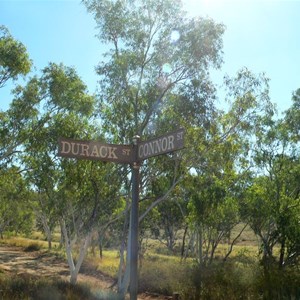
x=14, y=260
x=37, y=263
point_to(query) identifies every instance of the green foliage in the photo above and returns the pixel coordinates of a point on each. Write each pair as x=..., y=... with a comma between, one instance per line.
x=65, y=90
x=292, y=117
x=239, y=164
x=147, y=64
x=66, y=111
x=271, y=202
x=279, y=284
x=218, y=281
x=239, y=278
x=16, y=214
x=14, y=59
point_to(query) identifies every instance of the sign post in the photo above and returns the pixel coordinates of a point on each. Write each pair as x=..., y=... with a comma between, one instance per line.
x=134, y=222
x=126, y=154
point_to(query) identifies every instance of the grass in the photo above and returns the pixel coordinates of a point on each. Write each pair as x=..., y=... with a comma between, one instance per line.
x=30, y=287
x=38, y=235
x=247, y=238
x=24, y=242
x=241, y=277
x=109, y=264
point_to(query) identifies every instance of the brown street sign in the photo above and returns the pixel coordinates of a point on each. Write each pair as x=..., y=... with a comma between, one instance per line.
x=164, y=144
x=131, y=154
x=94, y=150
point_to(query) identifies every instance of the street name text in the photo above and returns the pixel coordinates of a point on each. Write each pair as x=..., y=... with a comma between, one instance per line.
x=164, y=144
x=95, y=150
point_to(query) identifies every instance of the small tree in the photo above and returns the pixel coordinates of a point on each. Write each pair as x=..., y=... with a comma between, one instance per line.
x=16, y=214
x=271, y=203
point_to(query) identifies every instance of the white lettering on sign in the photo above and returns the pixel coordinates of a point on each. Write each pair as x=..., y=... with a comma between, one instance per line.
x=95, y=150
x=161, y=145
x=157, y=146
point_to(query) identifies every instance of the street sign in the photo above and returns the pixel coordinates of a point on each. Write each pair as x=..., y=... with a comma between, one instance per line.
x=94, y=150
x=163, y=144
x=127, y=154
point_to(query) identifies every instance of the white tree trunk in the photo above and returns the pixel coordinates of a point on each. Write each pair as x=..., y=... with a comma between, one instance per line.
x=46, y=230
x=123, y=281
x=82, y=254
x=74, y=268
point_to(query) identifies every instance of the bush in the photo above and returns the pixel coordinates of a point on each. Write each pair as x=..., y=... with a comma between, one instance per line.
x=32, y=247
x=160, y=275
x=219, y=281
x=230, y=280
x=279, y=284
x=30, y=287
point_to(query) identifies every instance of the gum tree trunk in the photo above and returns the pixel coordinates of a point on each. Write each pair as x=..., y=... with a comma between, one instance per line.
x=74, y=268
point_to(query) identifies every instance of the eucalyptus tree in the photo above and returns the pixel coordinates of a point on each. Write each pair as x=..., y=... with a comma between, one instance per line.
x=271, y=203
x=16, y=214
x=64, y=106
x=166, y=220
x=70, y=193
x=154, y=51
x=218, y=154
x=213, y=208
x=170, y=220
x=14, y=62
x=90, y=194
x=80, y=196
x=15, y=128
x=272, y=209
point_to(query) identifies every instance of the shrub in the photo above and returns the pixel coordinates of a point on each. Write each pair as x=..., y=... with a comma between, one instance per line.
x=279, y=284
x=32, y=247
x=160, y=275
x=219, y=281
x=30, y=287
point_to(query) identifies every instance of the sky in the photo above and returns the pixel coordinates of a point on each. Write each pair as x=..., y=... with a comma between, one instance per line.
x=262, y=35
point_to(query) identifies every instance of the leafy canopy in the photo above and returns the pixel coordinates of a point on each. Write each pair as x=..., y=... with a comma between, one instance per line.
x=14, y=59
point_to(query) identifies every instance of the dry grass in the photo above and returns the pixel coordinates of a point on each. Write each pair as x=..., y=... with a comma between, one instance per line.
x=30, y=287
x=165, y=273
x=23, y=242
x=246, y=246
x=247, y=238
x=109, y=263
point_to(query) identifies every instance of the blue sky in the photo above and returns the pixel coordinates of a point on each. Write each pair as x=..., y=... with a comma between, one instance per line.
x=263, y=35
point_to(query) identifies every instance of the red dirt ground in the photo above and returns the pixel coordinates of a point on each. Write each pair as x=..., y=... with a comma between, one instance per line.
x=14, y=260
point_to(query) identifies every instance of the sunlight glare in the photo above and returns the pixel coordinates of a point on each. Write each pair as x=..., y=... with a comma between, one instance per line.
x=193, y=6
x=175, y=35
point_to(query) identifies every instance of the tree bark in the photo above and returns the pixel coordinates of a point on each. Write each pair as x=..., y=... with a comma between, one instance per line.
x=74, y=268
x=282, y=252
x=183, y=242
x=124, y=279
x=233, y=242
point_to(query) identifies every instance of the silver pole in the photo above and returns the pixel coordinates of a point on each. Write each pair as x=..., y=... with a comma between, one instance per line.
x=134, y=225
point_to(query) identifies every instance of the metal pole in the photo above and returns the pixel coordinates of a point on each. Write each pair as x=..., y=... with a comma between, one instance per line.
x=134, y=223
